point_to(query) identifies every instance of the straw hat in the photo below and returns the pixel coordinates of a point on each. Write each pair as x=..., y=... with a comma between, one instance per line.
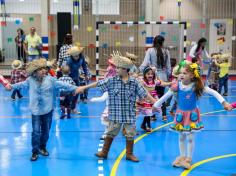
x=35, y=65
x=16, y=64
x=87, y=59
x=75, y=50
x=131, y=56
x=52, y=63
x=121, y=61
x=226, y=56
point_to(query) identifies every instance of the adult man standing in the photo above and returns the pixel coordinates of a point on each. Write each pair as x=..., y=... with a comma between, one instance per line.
x=33, y=45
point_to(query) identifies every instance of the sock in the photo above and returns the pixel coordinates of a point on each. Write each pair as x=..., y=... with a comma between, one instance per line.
x=190, y=145
x=182, y=138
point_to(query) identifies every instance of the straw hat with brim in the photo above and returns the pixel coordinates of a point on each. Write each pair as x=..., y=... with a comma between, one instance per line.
x=52, y=63
x=35, y=65
x=75, y=50
x=87, y=59
x=122, y=62
x=224, y=57
x=131, y=56
x=16, y=64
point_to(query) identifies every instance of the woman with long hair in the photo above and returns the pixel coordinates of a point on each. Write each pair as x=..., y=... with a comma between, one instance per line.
x=158, y=58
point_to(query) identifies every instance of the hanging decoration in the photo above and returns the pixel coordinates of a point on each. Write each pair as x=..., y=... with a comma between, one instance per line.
x=141, y=18
x=161, y=18
x=131, y=38
x=163, y=33
x=103, y=29
x=89, y=28
x=117, y=43
x=91, y=45
x=144, y=32
x=9, y=40
x=202, y=25
x=188, y=24
x=76, y=14
x=104, y=45
x=50, y=17
x=31, y=19
x=17, y=22
x=116, y=27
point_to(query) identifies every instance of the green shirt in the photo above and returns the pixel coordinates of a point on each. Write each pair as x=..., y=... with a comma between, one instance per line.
x=33, y=42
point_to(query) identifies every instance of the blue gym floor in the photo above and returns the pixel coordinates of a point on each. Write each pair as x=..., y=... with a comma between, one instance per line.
x=73, y=142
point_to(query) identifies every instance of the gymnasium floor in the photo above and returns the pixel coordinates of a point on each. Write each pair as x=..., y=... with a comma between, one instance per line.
x=73, y=142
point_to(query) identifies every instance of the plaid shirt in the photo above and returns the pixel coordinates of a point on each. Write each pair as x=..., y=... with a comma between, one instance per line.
x=63, y=57
x=18, y=75
x=68, y=80
x=3, y=81
x=122, y=98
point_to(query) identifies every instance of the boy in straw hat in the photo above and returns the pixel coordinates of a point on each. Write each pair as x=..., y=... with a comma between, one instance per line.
x=18, y=74
x=41, y=100
x=76, y=61
x=122, y=92
x=224, y=72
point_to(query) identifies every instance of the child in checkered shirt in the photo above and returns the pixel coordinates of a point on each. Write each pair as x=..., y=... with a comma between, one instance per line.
x=18, y=74
x=66, y=97
x=122, y=93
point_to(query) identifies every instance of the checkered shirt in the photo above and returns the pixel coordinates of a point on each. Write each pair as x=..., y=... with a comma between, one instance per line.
x=122, y=98
x=18, y=75
x=67, y=79
x=62, y=54
x=3, y=81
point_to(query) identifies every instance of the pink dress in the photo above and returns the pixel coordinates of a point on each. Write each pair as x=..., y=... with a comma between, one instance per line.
x=145, y=107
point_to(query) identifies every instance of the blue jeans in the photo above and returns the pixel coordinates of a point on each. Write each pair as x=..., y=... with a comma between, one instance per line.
x=32, y=57
x=223, y=82
x=41, y=125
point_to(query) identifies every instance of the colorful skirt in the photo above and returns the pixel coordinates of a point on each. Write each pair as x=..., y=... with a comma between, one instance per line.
x=187, y=121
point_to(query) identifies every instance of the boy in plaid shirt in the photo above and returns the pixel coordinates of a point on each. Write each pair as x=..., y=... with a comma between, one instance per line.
x=122, y=92
x=66, y=97
x=17, y=75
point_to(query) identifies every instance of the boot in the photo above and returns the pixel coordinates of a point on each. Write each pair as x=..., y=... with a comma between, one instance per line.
x=106, y=147
x=129, y=151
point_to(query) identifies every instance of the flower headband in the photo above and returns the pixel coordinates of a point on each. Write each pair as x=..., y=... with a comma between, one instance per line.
x=194, y=66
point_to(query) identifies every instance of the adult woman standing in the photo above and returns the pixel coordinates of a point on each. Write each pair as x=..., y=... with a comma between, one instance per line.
x=159, y=58
x=198, y=51
x=19, y=40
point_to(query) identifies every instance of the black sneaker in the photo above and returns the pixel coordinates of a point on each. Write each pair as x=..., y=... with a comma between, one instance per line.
x=225, y=94
x=44, y=152
x=34, y=157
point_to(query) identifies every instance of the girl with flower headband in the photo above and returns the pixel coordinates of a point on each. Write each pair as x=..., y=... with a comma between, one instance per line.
x=189, y=88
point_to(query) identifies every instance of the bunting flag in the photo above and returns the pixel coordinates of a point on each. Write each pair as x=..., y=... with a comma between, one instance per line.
x=3, y=10
x=76, y=12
